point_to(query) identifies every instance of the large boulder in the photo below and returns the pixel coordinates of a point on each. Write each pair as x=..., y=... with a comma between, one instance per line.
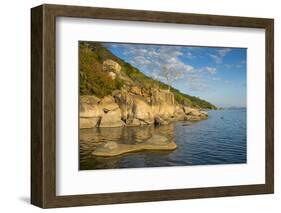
x=89, y=111
x=86, y=123
x=88, y=107
x=142, y=111
x=191, y=111
x=107, y=103
x=96, y=112
x=111, y=119
x=111, y=66
x=125, y=102
x=179, y=113
x=194, y=114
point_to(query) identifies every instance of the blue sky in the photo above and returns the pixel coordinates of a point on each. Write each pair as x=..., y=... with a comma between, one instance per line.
x=216, y=74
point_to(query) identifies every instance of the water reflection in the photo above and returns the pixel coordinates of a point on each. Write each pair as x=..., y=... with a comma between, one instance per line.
x=91, y=138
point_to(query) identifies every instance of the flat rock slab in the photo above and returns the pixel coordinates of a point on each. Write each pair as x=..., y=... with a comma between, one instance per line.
x=155, y=143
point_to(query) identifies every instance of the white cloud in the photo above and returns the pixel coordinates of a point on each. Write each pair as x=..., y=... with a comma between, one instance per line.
x=155, y=58
x=223, y=52
x=216, y=58
x=189, y=55
x=175, y=64
x=237, y=65
x=166, y=62
x=219, y=55
x=211, y=70
x=207, y=69
x=216, y=78
x=228, y=66
x=140, y=60
x=196, y=83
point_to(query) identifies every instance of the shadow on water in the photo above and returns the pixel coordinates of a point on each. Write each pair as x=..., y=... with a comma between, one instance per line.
x=212, y=141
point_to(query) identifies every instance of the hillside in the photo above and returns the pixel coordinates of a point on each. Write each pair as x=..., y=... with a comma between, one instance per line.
x=94, y=81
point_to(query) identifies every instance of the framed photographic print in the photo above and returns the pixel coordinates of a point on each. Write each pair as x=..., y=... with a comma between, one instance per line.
x=136, y=106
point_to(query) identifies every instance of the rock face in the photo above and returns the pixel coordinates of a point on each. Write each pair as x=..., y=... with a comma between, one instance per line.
x=156, y=142
x=142, y=111
x=163, y=103
x=124, y=108
x=125, y=102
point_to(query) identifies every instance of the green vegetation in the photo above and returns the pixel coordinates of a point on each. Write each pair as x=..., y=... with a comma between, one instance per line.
x=93, y=81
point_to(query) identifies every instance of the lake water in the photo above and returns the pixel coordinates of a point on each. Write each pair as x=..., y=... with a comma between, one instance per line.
x=221, y=139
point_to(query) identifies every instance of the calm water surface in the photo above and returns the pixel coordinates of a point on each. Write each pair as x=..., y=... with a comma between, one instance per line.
x=221, y=139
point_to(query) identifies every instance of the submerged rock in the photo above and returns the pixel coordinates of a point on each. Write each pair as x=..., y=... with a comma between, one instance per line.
x=111, y=145
x=157, y=139
x=156, y=143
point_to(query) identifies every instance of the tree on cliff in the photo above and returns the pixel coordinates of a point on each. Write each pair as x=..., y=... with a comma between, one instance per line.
x=170, y=75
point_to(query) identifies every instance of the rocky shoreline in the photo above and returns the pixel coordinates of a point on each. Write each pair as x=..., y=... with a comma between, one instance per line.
x=135, y=107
